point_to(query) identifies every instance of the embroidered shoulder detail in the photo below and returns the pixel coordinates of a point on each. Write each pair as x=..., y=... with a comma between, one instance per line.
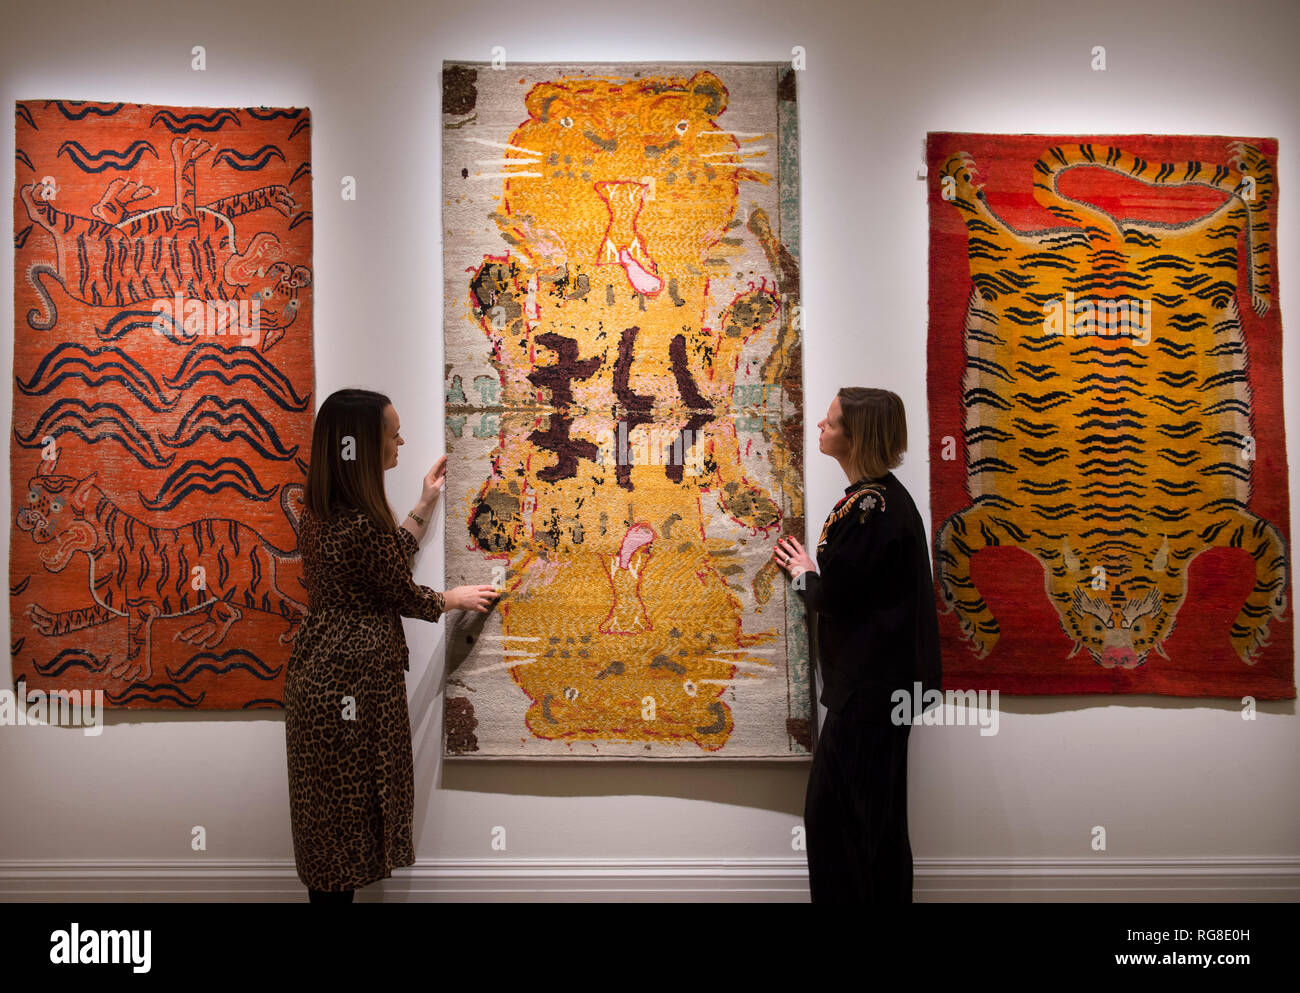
x=865, y=500
x=872, y=498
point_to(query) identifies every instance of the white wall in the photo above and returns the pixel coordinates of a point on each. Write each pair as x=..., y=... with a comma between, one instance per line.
x=1168, y=778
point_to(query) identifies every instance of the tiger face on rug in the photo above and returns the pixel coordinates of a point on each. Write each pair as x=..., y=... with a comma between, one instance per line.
x=1114, y=455
x=144, y=573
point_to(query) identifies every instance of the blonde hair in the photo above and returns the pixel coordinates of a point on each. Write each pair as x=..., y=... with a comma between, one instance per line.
x=876, y=427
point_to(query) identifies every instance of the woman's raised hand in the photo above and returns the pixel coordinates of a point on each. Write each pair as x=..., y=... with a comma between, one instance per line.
x=434, y=480
x=477, y=598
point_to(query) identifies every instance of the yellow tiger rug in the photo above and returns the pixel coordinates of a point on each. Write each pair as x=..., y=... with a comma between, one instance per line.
x=1109, y=474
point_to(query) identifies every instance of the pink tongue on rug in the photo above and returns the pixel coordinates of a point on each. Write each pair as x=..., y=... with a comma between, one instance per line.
x=644, y=282
x=637, y=535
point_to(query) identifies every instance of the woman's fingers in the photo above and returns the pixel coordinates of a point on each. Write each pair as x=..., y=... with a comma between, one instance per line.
x=791, y=557
x=484, y=595
x=435, y=479
x=783, y=554
x=476, y=598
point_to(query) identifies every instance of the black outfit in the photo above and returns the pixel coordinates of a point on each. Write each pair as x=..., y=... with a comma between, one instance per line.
x=877, y=630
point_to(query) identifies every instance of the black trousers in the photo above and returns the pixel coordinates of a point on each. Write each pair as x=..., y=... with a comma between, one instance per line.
x=855, y=814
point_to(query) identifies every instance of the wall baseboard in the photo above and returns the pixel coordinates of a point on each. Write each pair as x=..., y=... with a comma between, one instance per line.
x=1103, y=879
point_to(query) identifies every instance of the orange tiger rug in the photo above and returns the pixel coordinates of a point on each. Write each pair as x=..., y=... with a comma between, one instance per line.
x=162, y=400
x=1109, y=473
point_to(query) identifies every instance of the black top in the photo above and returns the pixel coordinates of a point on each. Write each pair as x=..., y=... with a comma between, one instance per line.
x=877, y=627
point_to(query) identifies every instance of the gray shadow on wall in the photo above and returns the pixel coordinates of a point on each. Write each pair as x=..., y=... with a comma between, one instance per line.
x=762, y=785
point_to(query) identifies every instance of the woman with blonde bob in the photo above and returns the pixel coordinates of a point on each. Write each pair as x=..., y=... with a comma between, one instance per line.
x=346, y=728
x=871, y=601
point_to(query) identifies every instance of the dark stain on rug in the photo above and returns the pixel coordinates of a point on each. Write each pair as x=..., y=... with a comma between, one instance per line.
x=460, y=727
x=800, y=730
x=459, y=95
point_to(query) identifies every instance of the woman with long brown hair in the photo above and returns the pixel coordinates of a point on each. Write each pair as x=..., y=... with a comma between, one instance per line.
x=877, y=631
x=347, y=728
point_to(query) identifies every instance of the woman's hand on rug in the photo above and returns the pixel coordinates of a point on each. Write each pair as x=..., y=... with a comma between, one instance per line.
x=434, y=480
x=791, y=557
x=417, y=521
x=477, y=598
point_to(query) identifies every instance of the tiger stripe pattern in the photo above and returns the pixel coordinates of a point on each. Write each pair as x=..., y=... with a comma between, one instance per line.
x=1122, y=440
x=124, y=255
x=145, y=573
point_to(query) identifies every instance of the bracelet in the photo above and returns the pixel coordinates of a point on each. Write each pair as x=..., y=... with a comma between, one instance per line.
x=416, y=517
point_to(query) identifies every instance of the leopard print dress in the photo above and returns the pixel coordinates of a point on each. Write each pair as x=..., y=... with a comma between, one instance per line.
x=347, y=729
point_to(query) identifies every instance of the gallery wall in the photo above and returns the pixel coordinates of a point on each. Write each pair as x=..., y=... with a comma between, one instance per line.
x=1174, y=782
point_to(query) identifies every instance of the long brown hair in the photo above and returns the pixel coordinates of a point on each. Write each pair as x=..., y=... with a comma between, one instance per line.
x=347, y=457
x=876, y=426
